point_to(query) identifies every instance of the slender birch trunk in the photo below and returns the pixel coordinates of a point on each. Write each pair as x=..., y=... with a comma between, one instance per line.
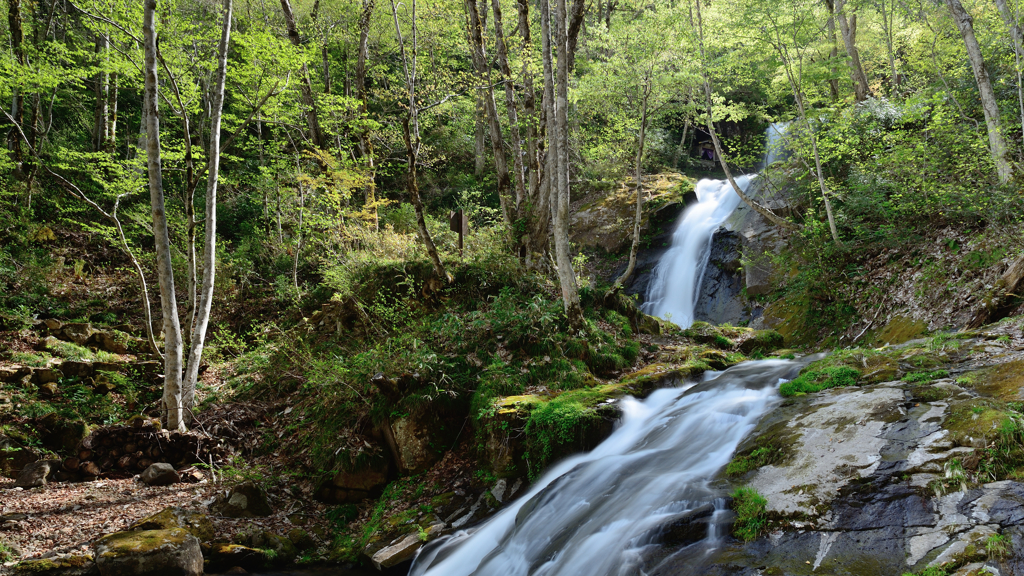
x=849, y=30
x=210, y=221
x=172, y=408
x=1018, y=51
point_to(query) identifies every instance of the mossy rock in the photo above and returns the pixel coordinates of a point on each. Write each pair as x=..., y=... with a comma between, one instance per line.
x=901, y=329
x=763, y=341
x=157, y=552
x=974, y=423
x=78, y=565
x=705, y=333
x=197, y=524
x=716, y=359
x=1004, y=381
x=221, y=556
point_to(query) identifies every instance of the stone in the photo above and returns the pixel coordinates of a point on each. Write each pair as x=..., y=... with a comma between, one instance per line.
x=301, y=539
x=109, y=341
x=367, y=476
x=173, y=552
x=415, y=436
x=37, y=473
x=196, y=523
x=52, y=324
x=77, y=369
x=14, y=374
x=222, y=556
x=403, y=547
x=245, y=500
x=14, y=456
x=61, y=434
x=160, y=474
x=46, y=375
x=283, y=551
x=78, y=332
x=47, y=344
x=69, y=565
x=48, y=390
x=721, y=289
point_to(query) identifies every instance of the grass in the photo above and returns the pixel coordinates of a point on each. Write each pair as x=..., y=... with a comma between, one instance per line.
x=751, y=514
x=914, y=377
x=817, y=380
x=6, y=552
x=757, y=458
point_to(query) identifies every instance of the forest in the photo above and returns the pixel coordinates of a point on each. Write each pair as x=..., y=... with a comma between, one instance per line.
x=369, y=285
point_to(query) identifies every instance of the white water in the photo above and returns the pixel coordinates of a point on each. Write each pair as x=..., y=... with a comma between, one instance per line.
x=598, y=514
x=677, y=277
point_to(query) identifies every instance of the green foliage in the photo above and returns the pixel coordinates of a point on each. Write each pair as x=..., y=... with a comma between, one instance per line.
x=998, y=546
x=6, y=551
x=555, y=424
x=811, y=381
x=758, y=457
x=925, y=376
x=751, y=514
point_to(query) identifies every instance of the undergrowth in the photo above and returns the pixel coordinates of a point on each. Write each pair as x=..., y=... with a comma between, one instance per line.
x=751, y=513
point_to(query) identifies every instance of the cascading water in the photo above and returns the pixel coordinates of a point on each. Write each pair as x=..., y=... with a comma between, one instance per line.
x=601, y=513
x=677, y=277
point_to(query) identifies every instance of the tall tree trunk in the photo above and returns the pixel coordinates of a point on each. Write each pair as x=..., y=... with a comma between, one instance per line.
x=480, y=119
x=887, y=27
x=679, y=149
x=830, y=25
x=638, y=218
x=497, y=139
x=195, y=354
x=778, y=221
x=849, y=30
x=563, y=259
x=411, y=135
x=501, y=56
x=365, y=143
x=537, y=210
x=111, y=144
x=308, y=96
x=171, y=401
x=102, y=95
x=17, y=46
x=996, y=143
x=1018, y=51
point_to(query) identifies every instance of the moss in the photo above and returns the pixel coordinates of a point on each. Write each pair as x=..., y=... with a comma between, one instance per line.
x=811, y=381
x=53, y=565
x=901, y=329
x=139, y=542
x=1005, y=381
x=763, y=342
x=753, y=459
x=930, y=393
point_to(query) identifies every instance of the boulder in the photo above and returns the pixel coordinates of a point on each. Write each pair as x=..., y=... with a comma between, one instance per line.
x=110, y=342
x=221, y=556
x=52, y=324
x=78, y=332
x=48, y=390
x=415, y=439
x=246, y=500
x=171, y=552
x=37, y=473
x=282, y=550
x=14, y=373
x=195, y=523
x=61, y=434
x=77, y=369
x=47, y=344
x=367, y=476
x=403, y=548
x=14, y=456
x=301, y=539
x=70, y=565
x=160, y=474
x=46, y=375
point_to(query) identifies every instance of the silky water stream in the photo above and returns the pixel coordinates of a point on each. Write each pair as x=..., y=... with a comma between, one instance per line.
x=605, y=512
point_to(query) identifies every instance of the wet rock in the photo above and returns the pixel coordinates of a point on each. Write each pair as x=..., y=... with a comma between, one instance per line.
x=166, y=552
x=160, y=474
x=245, y=500
x=71, y=565
x=721, y=298
x=37, y=473
x=689, y=527
x=196, y=523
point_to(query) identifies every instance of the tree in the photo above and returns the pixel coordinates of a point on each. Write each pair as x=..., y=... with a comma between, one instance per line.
x=997, y=145
x=312, y=114
x=411, y=135
x=848, y=27
x=172, y=412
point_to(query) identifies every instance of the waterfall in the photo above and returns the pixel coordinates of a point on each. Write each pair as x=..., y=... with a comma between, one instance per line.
x=602, y=513
x=676, y=285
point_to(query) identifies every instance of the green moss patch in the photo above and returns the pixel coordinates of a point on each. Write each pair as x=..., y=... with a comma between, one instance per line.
x=901, y=329
x=754, y=459
x=751, y=514
x=816, y=380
